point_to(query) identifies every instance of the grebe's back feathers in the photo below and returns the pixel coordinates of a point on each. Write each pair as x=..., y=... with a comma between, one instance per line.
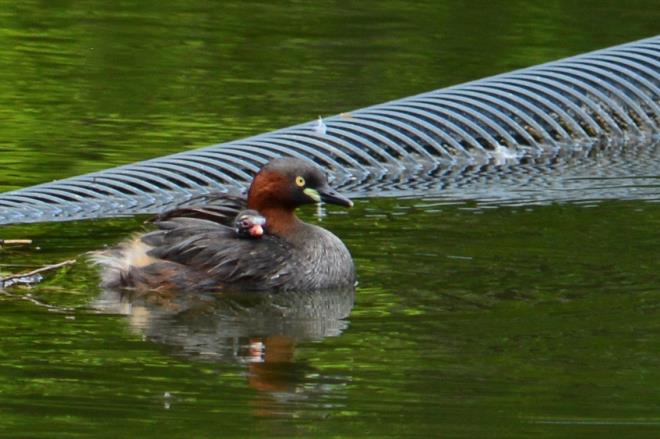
x=232, y=262
x=218, y=207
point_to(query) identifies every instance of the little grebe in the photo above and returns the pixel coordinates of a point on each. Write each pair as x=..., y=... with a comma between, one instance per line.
x=199, y=248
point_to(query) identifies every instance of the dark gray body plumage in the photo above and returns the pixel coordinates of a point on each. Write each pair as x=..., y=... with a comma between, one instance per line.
x=201, y=254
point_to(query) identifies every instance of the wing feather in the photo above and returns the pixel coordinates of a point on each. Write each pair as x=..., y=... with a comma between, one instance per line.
x=215, y=250
x=220, y=208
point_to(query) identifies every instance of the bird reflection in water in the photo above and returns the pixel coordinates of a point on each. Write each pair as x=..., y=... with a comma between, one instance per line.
x=259, y=330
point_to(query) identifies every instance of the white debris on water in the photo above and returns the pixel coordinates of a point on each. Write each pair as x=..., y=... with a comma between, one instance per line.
x=503, y=155
x=320, y=128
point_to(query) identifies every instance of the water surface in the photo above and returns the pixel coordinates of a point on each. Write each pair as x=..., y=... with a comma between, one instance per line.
x=514, y=320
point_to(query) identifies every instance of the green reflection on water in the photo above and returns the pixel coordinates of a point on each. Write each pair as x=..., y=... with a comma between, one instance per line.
x=507, y=321
x=93, y=84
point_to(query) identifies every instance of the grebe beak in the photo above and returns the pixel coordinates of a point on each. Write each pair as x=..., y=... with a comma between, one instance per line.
x=331, y=196
x=256, y=230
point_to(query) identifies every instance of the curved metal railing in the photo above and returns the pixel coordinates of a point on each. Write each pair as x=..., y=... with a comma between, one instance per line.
x=603, y=97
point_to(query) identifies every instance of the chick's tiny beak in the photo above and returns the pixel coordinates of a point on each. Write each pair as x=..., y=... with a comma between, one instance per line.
x=331, y=196
x=256, y=230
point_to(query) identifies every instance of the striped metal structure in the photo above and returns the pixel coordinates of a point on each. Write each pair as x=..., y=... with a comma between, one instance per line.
x=610, y=96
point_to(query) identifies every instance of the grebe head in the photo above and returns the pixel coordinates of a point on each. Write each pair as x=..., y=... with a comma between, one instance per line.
x=287, y=183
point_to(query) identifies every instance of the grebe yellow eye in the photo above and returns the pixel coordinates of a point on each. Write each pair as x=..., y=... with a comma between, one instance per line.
x=300, y=181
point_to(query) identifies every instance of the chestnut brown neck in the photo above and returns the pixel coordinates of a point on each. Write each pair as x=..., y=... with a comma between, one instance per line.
x=280, y=222
x=268, y=195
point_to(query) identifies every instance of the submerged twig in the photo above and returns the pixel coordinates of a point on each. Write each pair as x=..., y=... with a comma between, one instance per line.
x=15, y=242
x=19, y=266
x=16, y=278
x=31, y=277
x=29, y=298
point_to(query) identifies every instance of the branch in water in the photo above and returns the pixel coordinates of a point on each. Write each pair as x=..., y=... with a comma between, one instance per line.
x=16, y=278
x=31, y=299
x=15, y=242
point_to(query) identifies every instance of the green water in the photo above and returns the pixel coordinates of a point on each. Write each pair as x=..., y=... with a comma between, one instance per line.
x=469, y=320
